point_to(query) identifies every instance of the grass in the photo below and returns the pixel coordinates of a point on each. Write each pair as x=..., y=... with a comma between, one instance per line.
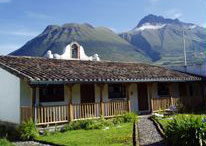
x=114, y=136
x=4, y=142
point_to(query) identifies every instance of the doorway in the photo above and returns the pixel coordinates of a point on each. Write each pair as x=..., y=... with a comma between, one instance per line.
x=143, y=97
x=87, y=93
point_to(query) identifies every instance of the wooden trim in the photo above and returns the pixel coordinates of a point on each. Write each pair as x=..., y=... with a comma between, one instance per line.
x=128, y=97
x=70, y=108
x=101, y=100
x=171, y=93
x=33, y=95
x=150, y=93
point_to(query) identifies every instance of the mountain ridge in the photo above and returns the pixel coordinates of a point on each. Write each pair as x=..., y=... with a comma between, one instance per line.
x=154, y=39
x=102, y=41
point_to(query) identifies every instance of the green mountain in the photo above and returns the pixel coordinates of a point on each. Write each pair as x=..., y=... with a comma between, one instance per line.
x=98, y=40
x=155, y=39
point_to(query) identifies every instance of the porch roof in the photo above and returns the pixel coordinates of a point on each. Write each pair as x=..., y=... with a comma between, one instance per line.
x=39, y=70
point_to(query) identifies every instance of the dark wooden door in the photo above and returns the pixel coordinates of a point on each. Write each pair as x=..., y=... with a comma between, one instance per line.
x=142, y=97
x=87, y=93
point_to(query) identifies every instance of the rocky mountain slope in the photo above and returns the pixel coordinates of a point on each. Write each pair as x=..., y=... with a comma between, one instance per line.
x=162, y=39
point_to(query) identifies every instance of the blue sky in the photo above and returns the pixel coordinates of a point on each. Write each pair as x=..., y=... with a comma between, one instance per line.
x=21, y=20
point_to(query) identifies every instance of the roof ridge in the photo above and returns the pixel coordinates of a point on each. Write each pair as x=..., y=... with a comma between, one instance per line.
x=102, y=61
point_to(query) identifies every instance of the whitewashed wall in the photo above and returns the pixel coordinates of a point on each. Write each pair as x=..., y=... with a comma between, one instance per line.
x=25, y=94
x=105, y=93
x=76, y=94
x=134, y=97
x=9, y=97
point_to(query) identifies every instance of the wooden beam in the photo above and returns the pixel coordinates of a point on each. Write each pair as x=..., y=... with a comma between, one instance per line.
x=33, y=95
x=101, y=99
x=170, y=85
x=70, y=108
x=150, y=88
x=128, y=97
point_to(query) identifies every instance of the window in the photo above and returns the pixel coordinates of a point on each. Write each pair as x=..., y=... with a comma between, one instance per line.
x=74, y=51
x=51, y=93
x=182, y=89
x=117, y=91
x=163, y=89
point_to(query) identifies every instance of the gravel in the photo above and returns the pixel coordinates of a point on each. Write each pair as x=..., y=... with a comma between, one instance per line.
x=149, y=136
x=29, y=143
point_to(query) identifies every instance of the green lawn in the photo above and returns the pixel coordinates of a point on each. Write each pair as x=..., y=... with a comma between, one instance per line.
x=114, y=136
x=4, y=142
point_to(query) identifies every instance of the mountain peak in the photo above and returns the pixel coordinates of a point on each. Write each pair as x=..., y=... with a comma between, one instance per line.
x=51, y=28
x=154, y=19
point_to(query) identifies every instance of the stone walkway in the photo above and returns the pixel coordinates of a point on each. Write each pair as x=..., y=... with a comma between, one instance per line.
x=29, y=143
x=149, y=136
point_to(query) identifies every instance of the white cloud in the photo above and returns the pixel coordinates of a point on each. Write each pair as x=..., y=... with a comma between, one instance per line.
x=149, y=26
x=5, y=1
x=23, y=33
x=174, y=13
x=37, y=15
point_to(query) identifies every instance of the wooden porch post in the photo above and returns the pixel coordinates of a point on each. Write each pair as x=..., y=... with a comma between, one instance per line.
x=128, y=97
x=171, y=93
x=70, y=109
x=33, y=95
x=150, y=88
x=101, y=100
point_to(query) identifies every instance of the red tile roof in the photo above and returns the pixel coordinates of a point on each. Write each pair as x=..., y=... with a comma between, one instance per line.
x=36, y=70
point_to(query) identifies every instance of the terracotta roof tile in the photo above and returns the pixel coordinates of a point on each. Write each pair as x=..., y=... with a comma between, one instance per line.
x=43, y=69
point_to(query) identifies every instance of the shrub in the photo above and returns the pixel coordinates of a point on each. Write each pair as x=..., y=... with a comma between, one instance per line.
x=46, y=132
x=105, y=123
x=28, y=130
x=126, y=118
x=99, y=123
x=130, y=117
x=186, y=130
x=84, y=124
x=118, y=120
x=4, y=142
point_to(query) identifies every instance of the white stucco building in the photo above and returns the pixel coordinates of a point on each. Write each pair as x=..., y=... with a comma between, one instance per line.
x=73, y=51
x=54, y=91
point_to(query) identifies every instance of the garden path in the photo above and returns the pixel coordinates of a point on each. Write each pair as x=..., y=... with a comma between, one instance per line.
x=29, y=143
x=149, y=136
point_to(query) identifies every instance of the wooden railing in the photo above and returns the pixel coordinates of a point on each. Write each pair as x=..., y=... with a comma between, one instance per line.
x=51, y=114
x=163, y=103
x=26, y=113
x=45, y=115
x=86, y=111
x=115, y=108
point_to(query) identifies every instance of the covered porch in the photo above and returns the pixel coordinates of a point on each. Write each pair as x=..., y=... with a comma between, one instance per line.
x=56, y=104
x=61, y=103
